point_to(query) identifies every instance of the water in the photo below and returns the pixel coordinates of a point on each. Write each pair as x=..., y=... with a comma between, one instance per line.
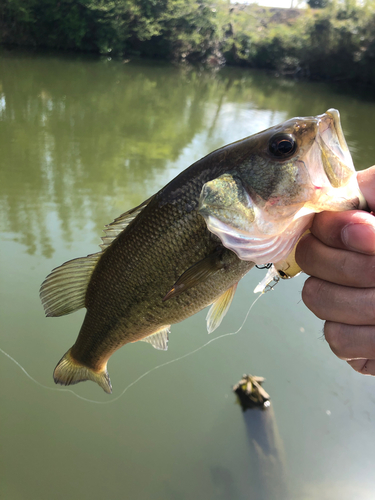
x=82, y=140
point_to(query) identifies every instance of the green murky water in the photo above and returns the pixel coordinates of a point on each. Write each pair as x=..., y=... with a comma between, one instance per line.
x=81, y=141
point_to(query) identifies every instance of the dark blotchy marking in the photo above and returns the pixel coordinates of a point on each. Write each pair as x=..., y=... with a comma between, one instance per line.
x=261, y=176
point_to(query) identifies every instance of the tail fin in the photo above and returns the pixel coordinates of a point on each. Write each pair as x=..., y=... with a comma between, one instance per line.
x=69, y=371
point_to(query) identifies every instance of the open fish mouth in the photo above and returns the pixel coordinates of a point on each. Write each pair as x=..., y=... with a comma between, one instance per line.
x=317, y=175
x=335, y=155
x=338, y=163
x=332, y=135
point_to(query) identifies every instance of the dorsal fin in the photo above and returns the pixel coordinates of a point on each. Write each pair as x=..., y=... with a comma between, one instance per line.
x=116, y=227
x=64, y=289
x=160, y=339
x=220, y=308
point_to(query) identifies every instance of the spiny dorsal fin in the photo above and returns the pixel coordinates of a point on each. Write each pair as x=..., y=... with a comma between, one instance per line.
x=64, y=290
x=160, y=339
x=197, y=273
x=220, y=308
x=116, y=227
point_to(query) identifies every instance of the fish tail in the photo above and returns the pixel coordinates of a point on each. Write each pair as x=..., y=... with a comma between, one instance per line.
x=69, y=371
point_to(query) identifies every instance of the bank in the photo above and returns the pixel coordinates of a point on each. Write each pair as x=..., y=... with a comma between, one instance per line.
x=335, y=43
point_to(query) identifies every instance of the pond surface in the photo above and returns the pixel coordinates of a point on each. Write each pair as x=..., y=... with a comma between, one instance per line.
x=82, y=140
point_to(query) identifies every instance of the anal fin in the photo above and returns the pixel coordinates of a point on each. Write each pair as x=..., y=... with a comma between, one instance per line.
x=160, y=339
x=220, y=308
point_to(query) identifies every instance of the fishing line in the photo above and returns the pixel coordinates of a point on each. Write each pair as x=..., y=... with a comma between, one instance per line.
x=144, y=374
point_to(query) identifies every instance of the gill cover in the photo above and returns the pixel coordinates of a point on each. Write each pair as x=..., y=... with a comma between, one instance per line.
x=312, y=171
x=240, y=224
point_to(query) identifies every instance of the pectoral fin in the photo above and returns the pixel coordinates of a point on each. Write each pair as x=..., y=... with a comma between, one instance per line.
x=220, y=308
x=198, y=273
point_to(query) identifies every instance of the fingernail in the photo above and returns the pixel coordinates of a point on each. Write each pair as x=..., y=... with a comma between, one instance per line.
x=359, y=237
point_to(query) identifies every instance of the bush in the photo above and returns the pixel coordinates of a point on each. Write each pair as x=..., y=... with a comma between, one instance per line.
x=163, y=28
x=336, y=42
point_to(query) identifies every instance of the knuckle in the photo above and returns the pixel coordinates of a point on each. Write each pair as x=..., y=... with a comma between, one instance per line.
x=302, y=252
x=364, y=272
x=356, y=269
x=312, y=294
x=370, y=272
x=361, y=367
x=308, y=295
x=372, y=305
x=334, y=337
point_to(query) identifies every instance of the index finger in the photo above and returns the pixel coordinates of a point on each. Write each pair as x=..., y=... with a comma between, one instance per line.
x=366, y=181
x=353, y=230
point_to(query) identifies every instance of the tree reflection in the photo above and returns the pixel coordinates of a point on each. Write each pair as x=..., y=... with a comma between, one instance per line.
x=77, y=133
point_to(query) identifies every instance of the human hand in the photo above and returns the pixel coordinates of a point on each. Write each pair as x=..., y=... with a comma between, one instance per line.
x=339, y=254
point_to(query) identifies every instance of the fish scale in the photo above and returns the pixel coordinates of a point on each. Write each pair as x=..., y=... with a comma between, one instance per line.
x=188, y=246
x=162, y=256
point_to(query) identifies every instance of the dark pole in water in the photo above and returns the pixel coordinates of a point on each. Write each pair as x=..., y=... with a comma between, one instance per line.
x=265, y=444
x=251, y=394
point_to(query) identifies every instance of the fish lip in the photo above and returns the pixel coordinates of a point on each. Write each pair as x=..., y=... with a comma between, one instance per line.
x=335, y=115
x=330, y=132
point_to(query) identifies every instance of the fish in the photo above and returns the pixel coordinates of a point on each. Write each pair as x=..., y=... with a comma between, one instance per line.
x=187, y=246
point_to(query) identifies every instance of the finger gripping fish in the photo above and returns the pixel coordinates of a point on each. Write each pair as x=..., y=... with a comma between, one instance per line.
x=188, y=246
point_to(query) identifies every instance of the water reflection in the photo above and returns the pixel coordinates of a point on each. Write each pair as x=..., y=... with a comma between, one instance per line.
x=81, y=141
x=72, y=137
x=75, y=134
x=225, y=483
x=267, y=455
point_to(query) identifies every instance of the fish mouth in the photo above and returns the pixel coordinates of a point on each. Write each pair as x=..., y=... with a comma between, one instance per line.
x=337, y=163
x=332, y=136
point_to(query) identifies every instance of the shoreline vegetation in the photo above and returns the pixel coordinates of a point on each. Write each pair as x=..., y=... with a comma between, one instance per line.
x=336, y=42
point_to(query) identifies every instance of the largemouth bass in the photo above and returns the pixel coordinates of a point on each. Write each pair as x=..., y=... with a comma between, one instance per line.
x=188, y=246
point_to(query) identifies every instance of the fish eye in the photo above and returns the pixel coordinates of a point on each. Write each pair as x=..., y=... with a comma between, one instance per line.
x=282, y=145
